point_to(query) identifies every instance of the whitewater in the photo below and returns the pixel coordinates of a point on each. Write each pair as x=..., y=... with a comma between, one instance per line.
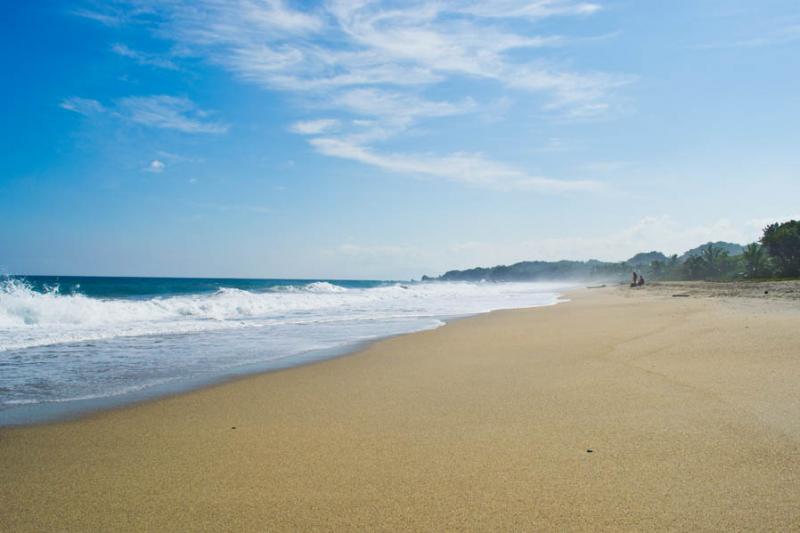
x=74, y=342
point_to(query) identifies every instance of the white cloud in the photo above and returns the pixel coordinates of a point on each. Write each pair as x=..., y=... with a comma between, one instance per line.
x=314, y=127
x=274, y=15
x=391, y=113
x=143, y=58
x=169, y=112
x=531, y=9
x=376, y=60
x=159, y=111
x=84, y=106
x=345, y=43
x=235, y=22
x=107, y=17
x=156, y=166
x=472, y=169
x=398, y=106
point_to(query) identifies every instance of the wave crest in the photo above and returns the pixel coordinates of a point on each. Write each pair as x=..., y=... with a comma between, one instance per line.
x=35, y=318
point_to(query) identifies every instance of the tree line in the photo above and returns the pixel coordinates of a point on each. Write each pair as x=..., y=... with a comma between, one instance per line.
x=775, y=255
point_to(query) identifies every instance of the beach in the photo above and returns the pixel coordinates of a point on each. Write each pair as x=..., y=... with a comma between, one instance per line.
x=618, y=410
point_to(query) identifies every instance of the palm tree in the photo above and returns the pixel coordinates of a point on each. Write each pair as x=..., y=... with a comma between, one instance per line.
x=755, y=260
x=672, y=265
x=657, y=268
x=713, y=257
x=694, y=267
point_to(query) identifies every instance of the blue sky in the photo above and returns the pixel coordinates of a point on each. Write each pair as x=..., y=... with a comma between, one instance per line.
x=360, y=139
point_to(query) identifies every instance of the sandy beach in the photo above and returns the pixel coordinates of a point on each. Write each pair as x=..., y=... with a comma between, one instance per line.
x=619, y=410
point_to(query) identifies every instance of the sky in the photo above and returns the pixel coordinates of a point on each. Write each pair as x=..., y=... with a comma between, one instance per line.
x=385, y=139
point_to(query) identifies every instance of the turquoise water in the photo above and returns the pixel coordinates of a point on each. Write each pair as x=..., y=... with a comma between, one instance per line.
x=126, y=287
x=69, y=344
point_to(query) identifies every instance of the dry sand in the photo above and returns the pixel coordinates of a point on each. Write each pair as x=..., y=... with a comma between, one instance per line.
x=690, y=405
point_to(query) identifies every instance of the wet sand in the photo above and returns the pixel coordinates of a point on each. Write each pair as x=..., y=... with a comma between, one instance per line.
x=690, y=407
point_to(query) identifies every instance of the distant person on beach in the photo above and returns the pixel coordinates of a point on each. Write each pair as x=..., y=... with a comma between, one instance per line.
x=641, y=281
x=635, y=280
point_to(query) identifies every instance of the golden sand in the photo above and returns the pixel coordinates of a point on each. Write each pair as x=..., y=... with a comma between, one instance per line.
x=691, y=407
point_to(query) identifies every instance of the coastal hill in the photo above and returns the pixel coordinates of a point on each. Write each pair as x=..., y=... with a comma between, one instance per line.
x=645, y=258
x=731, y=248
x=573, y=270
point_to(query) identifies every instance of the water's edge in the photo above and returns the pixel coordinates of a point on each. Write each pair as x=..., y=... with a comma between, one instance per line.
x=53, y=413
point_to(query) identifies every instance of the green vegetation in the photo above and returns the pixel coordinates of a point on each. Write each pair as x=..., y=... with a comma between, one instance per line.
x=540, y=270
x=776, y=255
x=731, y=248
x=756, y=261
x=782, y=242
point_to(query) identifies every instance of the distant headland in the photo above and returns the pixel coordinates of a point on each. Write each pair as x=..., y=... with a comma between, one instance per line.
x=775, y=255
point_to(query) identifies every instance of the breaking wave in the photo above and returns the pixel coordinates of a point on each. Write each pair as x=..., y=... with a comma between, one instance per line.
x=36, y=318
x=108, y=338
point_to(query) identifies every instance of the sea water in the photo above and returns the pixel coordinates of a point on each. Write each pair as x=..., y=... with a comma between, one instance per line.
x=71, y=344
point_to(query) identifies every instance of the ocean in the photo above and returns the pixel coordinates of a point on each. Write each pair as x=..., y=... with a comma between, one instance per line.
x=74, y=344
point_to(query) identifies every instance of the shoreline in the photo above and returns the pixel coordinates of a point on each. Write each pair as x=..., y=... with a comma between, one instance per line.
x=45, y=413
x=689, y=405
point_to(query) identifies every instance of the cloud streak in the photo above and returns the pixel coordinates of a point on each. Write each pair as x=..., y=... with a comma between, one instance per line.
x=156, y=111
x=143, y=58
x=375, y=61
x=467, y=168
x=82, y=106
x=314, y=127
x=169, y=112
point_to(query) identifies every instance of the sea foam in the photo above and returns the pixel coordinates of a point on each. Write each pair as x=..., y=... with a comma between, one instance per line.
x=60, y=346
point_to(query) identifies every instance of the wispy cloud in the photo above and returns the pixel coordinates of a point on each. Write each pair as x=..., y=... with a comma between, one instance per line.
x=532, y=9
x=107, y=17
x=345, y=44
x=143, y=58
x=378, y=61
x=472, y=169
x=398, y=106
x=84, y=106
x=314, y=127
x=157, y=111
x=384, y=114
x=169, y=112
